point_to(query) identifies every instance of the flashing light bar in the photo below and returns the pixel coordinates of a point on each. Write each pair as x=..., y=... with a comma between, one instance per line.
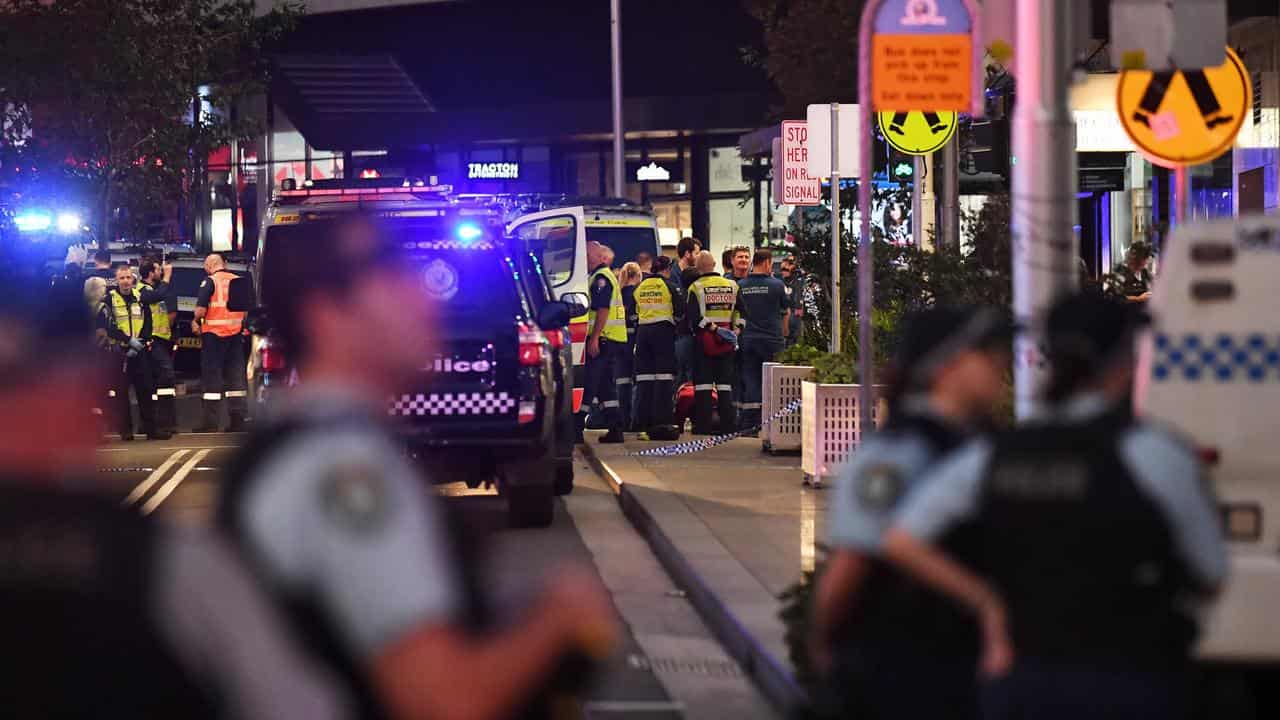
x=32, y=222
x=353, y=192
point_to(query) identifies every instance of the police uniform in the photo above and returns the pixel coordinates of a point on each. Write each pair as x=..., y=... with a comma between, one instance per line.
x=713, y=305
x=625, y=376
x=222, y=355
x=337, y=526
x=131, y=330
x=659, y=306
x=602, y=370
x=766, y=303
x=1097, y=531
x=795, y=297
x=160, y=354
x=1127, y=283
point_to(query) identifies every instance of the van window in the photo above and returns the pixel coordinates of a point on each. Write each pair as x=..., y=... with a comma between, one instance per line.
x=627, y=242
x=555, y=241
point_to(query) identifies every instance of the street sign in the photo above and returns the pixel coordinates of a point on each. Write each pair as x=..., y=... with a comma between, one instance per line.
x=917, y=133
x=792, y=183
x=1167, y=34
x=922, y=56
x=1184, y=117
x=819, y=143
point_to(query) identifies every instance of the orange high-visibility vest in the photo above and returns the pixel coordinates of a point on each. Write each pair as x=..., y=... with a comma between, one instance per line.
x=218, y=319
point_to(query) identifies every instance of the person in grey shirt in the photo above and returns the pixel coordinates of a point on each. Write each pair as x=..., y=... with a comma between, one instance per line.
x=343, y=529
x=107, y=613
x=1095, y=534
x=768, y=312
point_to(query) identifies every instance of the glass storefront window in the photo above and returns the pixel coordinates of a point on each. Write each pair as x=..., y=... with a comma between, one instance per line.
x=725, y=169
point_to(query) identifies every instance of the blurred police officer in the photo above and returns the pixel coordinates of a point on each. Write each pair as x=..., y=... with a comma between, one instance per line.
x=606, y=338
x=768, y=312
x=715, y=316
x=879, y=637
x=659, y=306
x=131, y=329
x=795, y=283
x=155, y=277
x=341, y=526
x=1095, y=534
x=106, y=613
x=222, y=350
x=629, y=277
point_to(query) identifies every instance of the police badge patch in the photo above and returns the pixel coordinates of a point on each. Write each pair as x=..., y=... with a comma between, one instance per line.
x=441, y=280
x=602, y=283
x=356, y=497
x=880, y=486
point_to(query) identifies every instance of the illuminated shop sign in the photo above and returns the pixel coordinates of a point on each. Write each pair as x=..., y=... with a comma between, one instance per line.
x=493, y=171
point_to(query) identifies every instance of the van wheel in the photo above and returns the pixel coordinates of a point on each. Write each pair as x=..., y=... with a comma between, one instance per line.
x=530, y=506
x=564, y=478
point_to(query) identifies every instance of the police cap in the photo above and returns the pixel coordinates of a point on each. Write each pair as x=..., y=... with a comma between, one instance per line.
x=932, y=337
x=1092, y=327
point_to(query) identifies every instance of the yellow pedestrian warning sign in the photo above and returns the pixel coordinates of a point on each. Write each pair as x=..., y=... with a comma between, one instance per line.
x=1184, y=117
x=917, y=133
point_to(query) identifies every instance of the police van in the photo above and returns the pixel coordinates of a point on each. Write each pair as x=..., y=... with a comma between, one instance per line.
x=1210, y=366
x=557, y=229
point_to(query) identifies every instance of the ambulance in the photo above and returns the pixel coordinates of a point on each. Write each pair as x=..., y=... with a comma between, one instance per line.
x=1210, y=367
x=557, y=230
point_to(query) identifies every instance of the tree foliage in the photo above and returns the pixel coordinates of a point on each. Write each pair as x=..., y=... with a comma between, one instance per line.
x=810, y=50
x=103, y=90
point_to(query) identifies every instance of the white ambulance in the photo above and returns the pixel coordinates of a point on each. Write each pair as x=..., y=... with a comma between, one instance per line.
x=1210, y=366
x=557, y=230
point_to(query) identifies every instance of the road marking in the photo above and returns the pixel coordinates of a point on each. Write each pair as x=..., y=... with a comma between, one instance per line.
x=626, y=706
x=154, y=477
x=167, y=489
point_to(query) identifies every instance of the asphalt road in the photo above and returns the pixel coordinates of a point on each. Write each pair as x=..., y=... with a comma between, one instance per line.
x=669, y=665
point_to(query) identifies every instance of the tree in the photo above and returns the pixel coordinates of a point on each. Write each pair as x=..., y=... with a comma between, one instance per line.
x=103, y=91
x=810, y=50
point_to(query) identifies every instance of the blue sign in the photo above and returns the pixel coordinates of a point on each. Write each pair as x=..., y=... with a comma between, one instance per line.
x=923, y=17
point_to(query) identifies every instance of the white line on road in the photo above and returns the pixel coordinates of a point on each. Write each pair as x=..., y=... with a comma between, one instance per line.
x=626, y=706
x=167, y=489
x=154, y=477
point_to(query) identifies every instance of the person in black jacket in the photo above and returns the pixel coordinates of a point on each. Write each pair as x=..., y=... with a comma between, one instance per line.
x=129, y=308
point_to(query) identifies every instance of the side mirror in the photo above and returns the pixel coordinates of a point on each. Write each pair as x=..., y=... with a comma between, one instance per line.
x=241, y=296
x=579, y=303
x=555, y=315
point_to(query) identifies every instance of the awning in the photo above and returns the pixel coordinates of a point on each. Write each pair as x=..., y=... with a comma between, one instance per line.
x=759, y=143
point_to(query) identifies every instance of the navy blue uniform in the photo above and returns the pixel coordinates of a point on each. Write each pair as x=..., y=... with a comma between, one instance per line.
x=602, y=370
x=765, y=301
x=625, y=377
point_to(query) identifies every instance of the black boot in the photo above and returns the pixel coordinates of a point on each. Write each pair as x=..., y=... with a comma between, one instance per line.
x=612, y=437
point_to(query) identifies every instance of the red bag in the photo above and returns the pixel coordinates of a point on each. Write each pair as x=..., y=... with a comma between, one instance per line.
x=712, y=344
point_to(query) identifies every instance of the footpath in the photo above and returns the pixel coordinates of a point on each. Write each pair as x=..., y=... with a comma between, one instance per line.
x=735, y=527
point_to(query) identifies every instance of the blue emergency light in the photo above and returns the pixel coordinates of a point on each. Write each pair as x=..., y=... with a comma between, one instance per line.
x=68, y=223
x=467, y=232
x=32, y=221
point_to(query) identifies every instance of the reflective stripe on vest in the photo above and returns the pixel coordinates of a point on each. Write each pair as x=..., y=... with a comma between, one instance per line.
x=159, y=319
x=128, y=317
x=615, y=328
x=653, y=302
x=218, y=320
x=717, y=298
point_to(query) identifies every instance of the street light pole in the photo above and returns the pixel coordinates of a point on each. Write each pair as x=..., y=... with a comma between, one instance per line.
x=1045, y=245
x=619, y=161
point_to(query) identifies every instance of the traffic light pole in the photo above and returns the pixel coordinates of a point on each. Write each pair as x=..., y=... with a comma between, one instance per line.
x=619, y=159
x=1045, y=245
x=835, y=227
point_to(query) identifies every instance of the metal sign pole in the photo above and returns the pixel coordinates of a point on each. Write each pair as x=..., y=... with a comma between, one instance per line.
x=619, y=159
x=835, y=227
x=1181, y=194
x=865, y=274
x=917, y=201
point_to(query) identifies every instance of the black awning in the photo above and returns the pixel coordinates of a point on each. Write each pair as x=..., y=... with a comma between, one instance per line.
x=350, y=102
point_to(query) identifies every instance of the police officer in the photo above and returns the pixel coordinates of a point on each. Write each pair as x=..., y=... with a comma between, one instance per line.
x=629, y=277
x=879, y=638
x=130, y=311
x=107, y=613
x=1132, y=278
x=768, y=312
x=659, y=306
x=794, y=281
x=155, y=277
x=336, y=518
x=222, y=350
x=1097, y=537
x=716, y=318
x=606, y=338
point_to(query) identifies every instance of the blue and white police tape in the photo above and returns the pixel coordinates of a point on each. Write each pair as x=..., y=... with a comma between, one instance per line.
x=693, y=446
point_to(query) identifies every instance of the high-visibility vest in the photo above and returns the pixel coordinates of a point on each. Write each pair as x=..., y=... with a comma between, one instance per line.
x=127, y=316
x=615, y=328
x=717, y=300
x=219, y=320
x=159, y=319
x=653, y=302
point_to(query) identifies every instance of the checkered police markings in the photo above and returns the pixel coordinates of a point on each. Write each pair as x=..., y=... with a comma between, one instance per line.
x=474, y=403
x=693, y=446
x=1224, y=357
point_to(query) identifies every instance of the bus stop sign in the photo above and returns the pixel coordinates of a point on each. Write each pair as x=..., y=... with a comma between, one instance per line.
x=922, y=56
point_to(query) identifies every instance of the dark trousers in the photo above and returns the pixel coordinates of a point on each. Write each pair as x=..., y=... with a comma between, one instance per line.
x=713, y=373
x=755, y=353
x=166, y=394
x=135, y=373
x=222, y=374
x=1056, y=691
x=877, y=685
x=795, y=329
x=601, y=377
x=686, y=359
x=655, y=375
x=624, y=381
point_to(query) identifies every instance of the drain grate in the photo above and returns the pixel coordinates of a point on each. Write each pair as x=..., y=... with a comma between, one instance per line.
x=704, y=667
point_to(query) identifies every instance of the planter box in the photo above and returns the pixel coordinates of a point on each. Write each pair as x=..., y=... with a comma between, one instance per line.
x=829, y=427
x=781, y=387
